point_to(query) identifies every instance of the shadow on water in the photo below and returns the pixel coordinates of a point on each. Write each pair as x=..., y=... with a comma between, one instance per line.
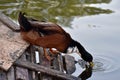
x=59, y=11
x=86, y=73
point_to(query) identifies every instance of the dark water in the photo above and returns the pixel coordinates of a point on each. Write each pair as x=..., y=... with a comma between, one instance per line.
x=94, y=23
x=59, y=11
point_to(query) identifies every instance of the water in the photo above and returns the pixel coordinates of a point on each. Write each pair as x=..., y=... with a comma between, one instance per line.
x=100, y=36
x=94, y=23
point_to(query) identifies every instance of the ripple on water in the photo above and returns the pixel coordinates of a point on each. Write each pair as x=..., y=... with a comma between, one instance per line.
x=104, y=64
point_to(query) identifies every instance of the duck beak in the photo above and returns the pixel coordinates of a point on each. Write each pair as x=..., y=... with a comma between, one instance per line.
x=91, y=64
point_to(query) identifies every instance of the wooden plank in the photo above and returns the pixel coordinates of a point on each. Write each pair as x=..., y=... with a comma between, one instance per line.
x=29, y=57
x=7, y=21
x=57, y=64
x=40, y=51
x=69, y=64
x=22, y=73
x=60, y=61
x=45, y=63
x=12, y=47
x=3, y=75
x=45, y=70
x=11, y=74
x=33, y=60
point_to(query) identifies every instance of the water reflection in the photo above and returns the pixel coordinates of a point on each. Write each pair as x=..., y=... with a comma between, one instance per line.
x=86, y=73
x=59, y=11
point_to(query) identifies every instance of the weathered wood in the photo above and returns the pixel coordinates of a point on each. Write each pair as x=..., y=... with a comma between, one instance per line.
x=60, y=62
x=3, y=75
x=57, y=64
x=22, y=73
x=45, y=63
x=7, y=21
x=54, y=63
x=45, y=70
x=11, y=74
x=33, y=60
x=30, y=56
x=12, y=47
x=69, y=64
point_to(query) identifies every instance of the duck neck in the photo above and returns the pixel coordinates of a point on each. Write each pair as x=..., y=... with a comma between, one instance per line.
x=80, y=47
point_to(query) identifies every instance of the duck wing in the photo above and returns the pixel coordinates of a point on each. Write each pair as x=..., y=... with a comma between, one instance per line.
x=47, y=27
x=43, y=27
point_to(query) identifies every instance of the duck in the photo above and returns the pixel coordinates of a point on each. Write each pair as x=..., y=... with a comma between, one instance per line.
x=54, y=36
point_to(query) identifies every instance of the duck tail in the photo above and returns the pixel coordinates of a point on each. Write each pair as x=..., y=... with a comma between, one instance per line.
x=23, y=21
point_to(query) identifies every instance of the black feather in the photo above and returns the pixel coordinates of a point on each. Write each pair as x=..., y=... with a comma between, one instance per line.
x=24, y=23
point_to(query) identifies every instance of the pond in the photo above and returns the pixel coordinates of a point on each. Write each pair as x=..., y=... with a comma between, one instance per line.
x=94, y=23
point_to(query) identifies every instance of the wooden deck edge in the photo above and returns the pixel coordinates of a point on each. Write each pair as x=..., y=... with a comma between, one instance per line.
x=8, y=22
x=45, y=70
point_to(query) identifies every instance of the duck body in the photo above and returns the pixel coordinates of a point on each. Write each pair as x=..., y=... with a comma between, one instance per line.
x=53, y=36
x=52, y=41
